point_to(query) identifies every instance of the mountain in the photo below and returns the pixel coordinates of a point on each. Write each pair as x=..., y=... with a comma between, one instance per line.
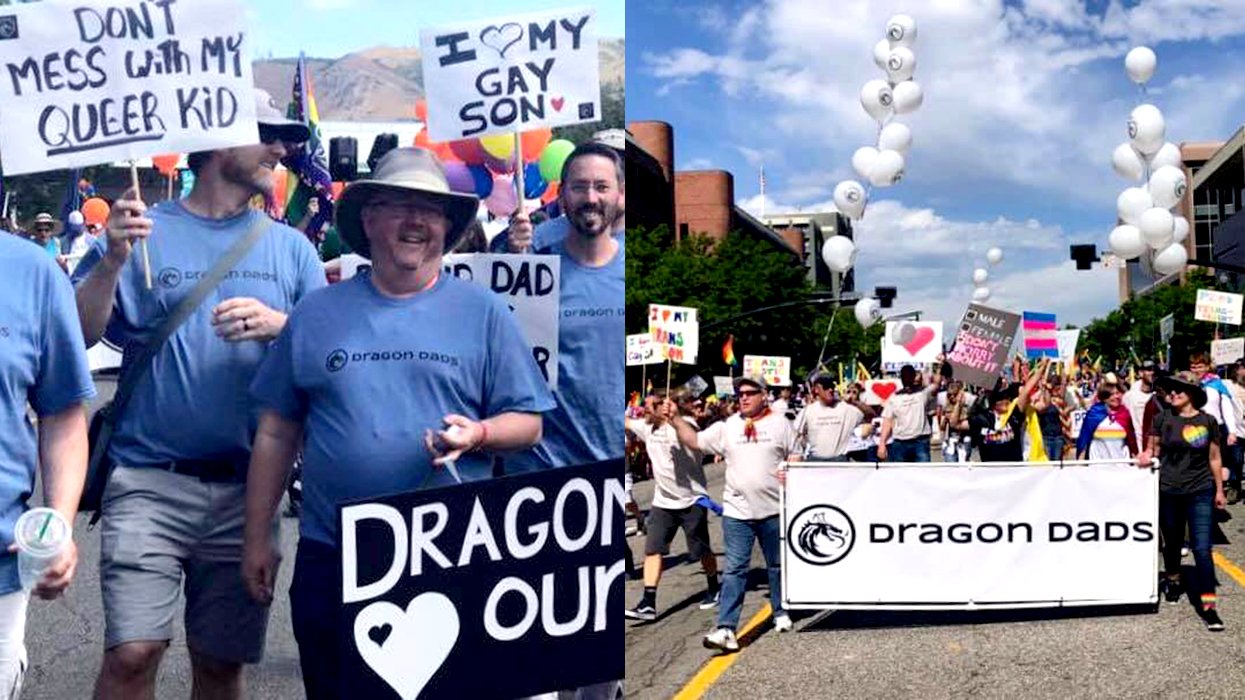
x=383, y=83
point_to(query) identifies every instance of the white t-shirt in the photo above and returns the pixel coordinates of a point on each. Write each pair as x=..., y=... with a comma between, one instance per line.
x=828, y=429
x=1135, y=400
x=678, y=471
x=967, y=399
x=752, y=486
x=1110, y=441
x=909, y=413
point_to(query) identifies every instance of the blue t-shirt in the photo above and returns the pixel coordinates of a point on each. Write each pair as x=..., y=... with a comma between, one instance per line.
x=194, y=402
x=367, y=375
x=43, y=362
x=585, y=427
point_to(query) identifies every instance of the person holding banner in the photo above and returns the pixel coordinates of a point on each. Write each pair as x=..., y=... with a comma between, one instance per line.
x=754, y=442
x=365, y=369
x=174, y=503
x=43, y=365
x=1107, y=431
x=1186, y=441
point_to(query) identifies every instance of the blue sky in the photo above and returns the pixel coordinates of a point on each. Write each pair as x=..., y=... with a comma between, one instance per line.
x=1024, y=102
x=333, y=28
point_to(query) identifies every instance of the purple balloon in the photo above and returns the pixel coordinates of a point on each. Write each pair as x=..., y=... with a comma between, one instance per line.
x=460, y=178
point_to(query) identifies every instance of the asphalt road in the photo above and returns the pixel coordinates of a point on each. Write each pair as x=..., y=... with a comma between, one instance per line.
x=1098, y=653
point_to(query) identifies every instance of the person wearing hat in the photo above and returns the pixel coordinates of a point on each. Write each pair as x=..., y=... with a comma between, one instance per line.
x=1186, y=443
x=395, y=371
x=1139, y=395
x=999, y=432
x=43, y=232
x=173, y=514
x=754, y=442
x=826, y=426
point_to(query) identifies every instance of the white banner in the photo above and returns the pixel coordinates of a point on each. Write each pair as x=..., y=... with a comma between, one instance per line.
x=939, y=537
x=1068, y=340
x=723, y=386
x=911, y=343
x=675, y=331
x=91, y=82
x=1224, y=352
x=511, y=74
x=775, y=370
x=641, y=350
x=1218, y=307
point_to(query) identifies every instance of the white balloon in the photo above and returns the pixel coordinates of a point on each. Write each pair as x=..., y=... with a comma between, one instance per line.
x=1168, y=154
x=901, y=30
x=980, y=276
x=1128, y=163
x=877, y=99
x=994, y=256
x=887, y=169
x=895, y=137
x=881, y=52
x=1140, y=64
x=839, y=252
x=863, y=160
x=907, y=97
x=1180, y=230
x=1168, y=186
x=900, y=65
x=981, y=294
x=850, y=198
x=1146, y=129
x=868, y=312
x=76, y=218
x=1157, y=227
x=1171, y=259
x=1126, y=241
x=1132, y=203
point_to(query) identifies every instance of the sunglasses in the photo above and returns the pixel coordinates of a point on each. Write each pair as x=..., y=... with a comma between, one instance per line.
x=742, y=394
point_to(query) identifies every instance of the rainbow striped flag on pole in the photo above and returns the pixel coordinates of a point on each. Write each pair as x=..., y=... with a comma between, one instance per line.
x=308, y=165
x=1041, y=337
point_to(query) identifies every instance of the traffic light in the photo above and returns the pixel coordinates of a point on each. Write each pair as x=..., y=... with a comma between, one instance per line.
x=885, y=296
x=1085, y=256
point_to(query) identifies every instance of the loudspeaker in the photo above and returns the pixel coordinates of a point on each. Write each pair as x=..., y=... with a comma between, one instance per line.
x=344, y=159
x=383, y=144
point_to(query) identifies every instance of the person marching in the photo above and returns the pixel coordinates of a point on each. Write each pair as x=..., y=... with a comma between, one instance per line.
x=999, y=431
x=905, y=418
x=1107, y=431
x=827, y=425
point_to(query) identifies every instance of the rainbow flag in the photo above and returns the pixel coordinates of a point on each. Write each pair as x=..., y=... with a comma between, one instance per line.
x=635, y=400
x=308, y=165
x=728, y=351
x=1041, y=335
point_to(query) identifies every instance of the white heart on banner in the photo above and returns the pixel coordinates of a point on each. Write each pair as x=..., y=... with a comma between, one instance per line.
x=407, y=647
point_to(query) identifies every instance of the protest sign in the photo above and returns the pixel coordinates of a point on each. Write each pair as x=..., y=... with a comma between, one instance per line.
x=982, y=345
x=723, y=386
x=911, y=343
x=1067, y=342
x=1041, y=335
x=696, y=385
x=1078, y=419
x=504, y=587
x=1167, y=328
x=675, y=331
x=93, y=82
x=1223, y=352
x=776, y=371
x=641, y=351
x=511, y=74
x=1218, y=307
x=877, y=391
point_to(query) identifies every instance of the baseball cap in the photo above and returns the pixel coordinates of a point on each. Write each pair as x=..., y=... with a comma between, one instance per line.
x=754, y=380
x=269, y=115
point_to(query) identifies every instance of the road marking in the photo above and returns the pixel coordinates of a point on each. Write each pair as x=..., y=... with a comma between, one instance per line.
x=716, y=666
x=1232, y=569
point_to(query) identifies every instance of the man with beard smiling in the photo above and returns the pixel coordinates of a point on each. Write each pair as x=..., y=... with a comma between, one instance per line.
x=175, y=500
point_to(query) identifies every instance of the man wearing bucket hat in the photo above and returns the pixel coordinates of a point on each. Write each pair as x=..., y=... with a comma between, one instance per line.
x=394, y=372
x=174, y=503
x=43, y=232
x=754, y=442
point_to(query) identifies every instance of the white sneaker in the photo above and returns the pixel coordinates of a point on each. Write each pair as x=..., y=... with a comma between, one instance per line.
x=782, y=622
x=722, y=638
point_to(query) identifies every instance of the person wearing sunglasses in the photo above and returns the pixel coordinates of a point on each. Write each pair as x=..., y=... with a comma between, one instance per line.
x=754, y=442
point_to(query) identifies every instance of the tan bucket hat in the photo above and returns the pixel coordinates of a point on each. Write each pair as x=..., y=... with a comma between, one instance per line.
x=404, y=170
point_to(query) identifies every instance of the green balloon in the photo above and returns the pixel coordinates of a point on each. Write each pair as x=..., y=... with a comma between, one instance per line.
x=552, y=159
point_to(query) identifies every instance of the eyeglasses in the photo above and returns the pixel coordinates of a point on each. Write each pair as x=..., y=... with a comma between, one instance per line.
x=743, y=394
x=407, y=210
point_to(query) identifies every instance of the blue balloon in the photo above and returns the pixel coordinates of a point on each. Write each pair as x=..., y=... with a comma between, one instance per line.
x=484, y=181
x=533, y=184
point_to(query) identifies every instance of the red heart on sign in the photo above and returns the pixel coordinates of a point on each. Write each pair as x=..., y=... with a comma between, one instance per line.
x=557, y=103
x=923, y=336
x=883, y=390
x=665, y=315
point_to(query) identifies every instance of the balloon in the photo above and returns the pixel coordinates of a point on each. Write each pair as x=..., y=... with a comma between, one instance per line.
x=1157, y=227
x=895, y=137
x=499, y=166
x=445, y=153
x=1126, y=241
x=1146, y=128
x=502, y=201
x=903, y=334
x=551, y=193
x=1180, y=229
x=483, y=181
x=421, y=110
x=1132, y=203
x=868, y=312
x=500, y=146
x=459, y=178
x=533, y=142
x=887, y=170
x=1171, y=259
x=877, y=99
x=863, y=160
x=166, y=164
x=76, y=219
x=552, y=159
x=1128, y=162
x=907, y=97
x=980, y=275
x=850, y=199
x=839, y=252
x=900, y=65
x=95, y=211
x=1168, y=186
x=468, y=151
x=981, y=294
x=881, y=52
x=1169, y=154
x=901, y=30
x=533, y=184
x=422, y=140
x=1140, y=64
x=994, y=256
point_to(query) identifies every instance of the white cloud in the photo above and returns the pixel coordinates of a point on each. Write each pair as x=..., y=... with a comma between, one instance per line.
x=320, y=5
x=696, y=164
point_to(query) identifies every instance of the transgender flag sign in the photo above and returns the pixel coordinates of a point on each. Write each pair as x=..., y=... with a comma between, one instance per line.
x=1041, y=336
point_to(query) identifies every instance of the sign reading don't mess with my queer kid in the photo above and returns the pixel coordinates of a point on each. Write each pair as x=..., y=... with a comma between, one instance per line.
x=83, y=83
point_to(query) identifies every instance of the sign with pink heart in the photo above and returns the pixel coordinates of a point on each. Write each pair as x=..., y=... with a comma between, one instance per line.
x=912, y=342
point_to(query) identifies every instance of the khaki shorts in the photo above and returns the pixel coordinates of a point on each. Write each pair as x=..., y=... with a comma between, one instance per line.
x=158, y=527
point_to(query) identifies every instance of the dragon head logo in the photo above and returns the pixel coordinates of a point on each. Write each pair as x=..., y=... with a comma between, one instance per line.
x=821, y=535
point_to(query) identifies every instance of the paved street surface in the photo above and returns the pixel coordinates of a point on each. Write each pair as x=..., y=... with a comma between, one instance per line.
x=1099, y=653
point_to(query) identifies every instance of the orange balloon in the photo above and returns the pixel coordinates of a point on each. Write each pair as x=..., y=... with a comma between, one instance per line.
x=421, y=110
x=444, y=152
x=421, y=139
x=95, y=211
x=551, y=193
x=534, y=142
x=166, y=164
